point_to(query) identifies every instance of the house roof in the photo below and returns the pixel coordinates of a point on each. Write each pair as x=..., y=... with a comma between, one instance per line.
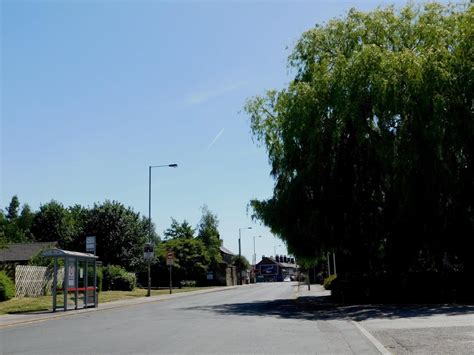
x=270, y=260
x=225, y=250
x=23, y=251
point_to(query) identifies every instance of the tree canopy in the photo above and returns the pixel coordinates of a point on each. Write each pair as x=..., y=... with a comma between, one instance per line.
x=208, y=233
x=121, y=234
x=179, y=230
x=191, y=257
x=372, y=143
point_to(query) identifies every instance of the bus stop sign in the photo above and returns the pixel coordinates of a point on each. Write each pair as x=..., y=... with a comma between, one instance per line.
x=148, y=252
x=169, y=258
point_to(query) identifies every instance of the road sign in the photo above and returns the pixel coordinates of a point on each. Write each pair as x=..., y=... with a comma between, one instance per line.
x=90, y=244
x=148, y=252
x=170, y=258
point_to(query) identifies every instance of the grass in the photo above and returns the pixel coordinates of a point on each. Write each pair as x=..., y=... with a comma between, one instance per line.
x=44, y=303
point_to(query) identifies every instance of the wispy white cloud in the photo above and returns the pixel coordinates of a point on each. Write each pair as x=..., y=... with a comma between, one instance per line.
x=215, y=139
x=199, y=97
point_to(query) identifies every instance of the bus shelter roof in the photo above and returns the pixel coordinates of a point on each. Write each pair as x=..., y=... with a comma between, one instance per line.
x=60, y=253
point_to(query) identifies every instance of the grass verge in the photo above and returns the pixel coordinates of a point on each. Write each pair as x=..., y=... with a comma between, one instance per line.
x=44, y=303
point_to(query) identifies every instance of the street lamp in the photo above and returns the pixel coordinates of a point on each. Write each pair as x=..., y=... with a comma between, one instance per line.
x=254, y=259
x=254, y=254
x=240, y=256
x=149, y=214
x=275, y=249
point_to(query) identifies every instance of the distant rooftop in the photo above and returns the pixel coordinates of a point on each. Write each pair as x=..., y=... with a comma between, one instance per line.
x=225, y=250
x=23, y=251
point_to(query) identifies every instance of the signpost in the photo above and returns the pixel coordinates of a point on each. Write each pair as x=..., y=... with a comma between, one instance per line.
x=90, y=244
x=148, y=252
x=170, y=262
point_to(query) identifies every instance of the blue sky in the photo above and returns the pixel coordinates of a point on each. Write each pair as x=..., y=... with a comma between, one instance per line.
x=95, y=91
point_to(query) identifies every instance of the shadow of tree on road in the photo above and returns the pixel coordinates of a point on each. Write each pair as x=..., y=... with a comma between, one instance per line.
x=320, y=308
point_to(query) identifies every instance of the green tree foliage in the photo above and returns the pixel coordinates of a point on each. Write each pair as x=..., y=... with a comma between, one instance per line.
x=7, y=287
x=120, y=234
x=25, y=221
x=191, y=257
x=208, y=233
x=3, y=225
x=240, y=262
x=179, y=230
x=372, y=144
x=13, y=208
x=15, y=227
x=53, y=222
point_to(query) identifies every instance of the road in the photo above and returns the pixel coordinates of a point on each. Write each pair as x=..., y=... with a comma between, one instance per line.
x=252, y=319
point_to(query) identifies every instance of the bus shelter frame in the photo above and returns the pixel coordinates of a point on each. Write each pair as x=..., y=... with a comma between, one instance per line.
x=71, y=262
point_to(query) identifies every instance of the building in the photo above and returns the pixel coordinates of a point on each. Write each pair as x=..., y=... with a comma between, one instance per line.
x=276, y=269
x=224, y=274
x=20, y=253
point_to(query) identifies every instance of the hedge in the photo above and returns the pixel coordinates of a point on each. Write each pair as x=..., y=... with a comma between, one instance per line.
x=7, y=287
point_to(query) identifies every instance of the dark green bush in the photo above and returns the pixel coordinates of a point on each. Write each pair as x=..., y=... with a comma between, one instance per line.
x=7, y=287
x=115, y=278
x=100, y=278
x=328, y=281
x=188, y=283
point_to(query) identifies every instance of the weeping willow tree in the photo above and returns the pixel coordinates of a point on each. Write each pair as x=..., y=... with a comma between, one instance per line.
x=372, y=143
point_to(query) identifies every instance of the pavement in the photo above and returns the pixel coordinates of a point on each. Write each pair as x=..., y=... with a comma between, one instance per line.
x=400, y=329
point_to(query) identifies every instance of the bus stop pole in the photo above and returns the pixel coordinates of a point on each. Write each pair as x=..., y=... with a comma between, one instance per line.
x=55, y=281
x=171, y=282
x=96, y=299
x=76, y=286
x=86, y=282
x=65, y=282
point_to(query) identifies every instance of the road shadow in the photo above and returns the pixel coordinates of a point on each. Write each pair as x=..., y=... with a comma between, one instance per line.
x=321, y=308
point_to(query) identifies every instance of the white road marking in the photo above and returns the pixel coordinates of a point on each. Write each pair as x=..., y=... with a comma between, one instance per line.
x=371, y=338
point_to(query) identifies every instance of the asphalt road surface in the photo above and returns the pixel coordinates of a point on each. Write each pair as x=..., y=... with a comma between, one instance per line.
x=252, y=319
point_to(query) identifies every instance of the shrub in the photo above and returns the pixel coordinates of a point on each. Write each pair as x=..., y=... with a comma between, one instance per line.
x=188, y=283
x=117, y=279
x=328, y=281
x=7, y=287
x=100, y=278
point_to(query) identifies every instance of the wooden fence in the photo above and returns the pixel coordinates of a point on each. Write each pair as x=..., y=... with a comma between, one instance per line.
x=35, y=281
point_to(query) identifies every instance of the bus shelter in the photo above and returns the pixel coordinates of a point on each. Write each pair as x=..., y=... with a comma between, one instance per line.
x=80, y=278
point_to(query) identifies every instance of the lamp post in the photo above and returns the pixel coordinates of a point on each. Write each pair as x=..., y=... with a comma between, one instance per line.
x=254, y=254
x=275, y=249
x=255, y=259
x=149, y=214
x=240, y=256
x=277, y=265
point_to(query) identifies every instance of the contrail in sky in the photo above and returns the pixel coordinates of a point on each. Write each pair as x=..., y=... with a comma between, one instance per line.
x=215, y=139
